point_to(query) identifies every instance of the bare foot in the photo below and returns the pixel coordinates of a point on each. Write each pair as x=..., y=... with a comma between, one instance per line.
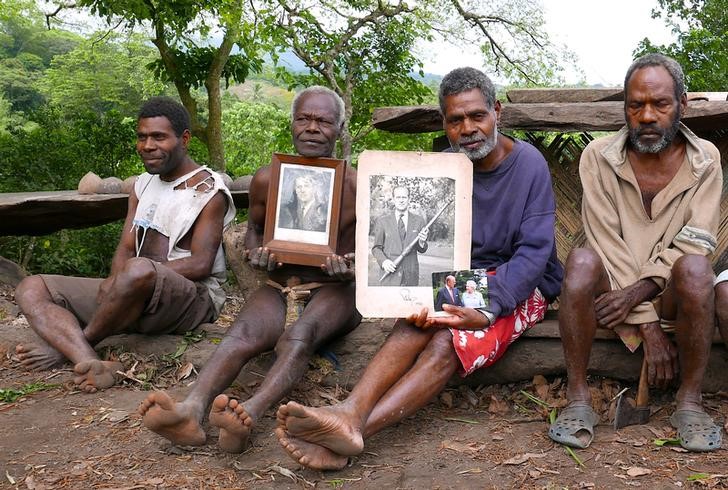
x=96, y=375
x=39, y=356
x=171, y=420
x=233, y=421
x=325, y=426
x=309, y=454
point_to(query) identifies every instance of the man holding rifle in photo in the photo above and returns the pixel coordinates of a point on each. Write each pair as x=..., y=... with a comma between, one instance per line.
x=393, y=232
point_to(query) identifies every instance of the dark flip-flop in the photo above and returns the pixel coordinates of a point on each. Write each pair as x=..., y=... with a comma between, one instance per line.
x=574, y=426
x=696, y=430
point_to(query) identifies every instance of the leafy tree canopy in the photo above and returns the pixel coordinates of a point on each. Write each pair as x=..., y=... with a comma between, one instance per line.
x=701, y=27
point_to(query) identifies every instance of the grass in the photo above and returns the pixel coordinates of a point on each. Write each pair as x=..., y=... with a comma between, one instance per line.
x=10, y=395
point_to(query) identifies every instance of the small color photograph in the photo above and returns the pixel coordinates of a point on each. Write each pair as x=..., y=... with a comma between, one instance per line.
x=467, y=288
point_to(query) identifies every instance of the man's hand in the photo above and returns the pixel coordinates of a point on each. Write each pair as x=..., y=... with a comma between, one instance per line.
x=462, y=318
x=612, y=308
x=262, y=258
x=104, y=289
x=388, y=266
x=661, y=355
x=420, y=320
x=342, y=268
x=422, y=236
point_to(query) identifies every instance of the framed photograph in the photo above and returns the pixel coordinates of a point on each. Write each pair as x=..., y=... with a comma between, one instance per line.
x=413, y=218
x=302, y=211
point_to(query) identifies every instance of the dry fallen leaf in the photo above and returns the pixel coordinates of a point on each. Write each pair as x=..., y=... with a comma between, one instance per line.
x=635, y=471
x=498, y=407
x=184, y=371
x=461, y=447
x=522, y=458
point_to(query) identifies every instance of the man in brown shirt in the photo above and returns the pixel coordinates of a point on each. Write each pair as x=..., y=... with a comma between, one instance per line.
x=650, y=210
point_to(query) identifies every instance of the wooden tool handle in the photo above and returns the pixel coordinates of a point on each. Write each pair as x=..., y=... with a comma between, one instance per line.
x=643, y=390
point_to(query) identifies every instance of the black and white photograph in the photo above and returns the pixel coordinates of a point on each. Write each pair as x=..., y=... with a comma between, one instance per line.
x=304, y=204
x=411, y=228
x=413, y=219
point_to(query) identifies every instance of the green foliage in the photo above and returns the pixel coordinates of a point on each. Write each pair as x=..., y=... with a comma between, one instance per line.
x=86, y=252
x=10, y=395
x=701, y=27
x=100, y=76
x=26, y=49
x=60, y=149
x=253, y=131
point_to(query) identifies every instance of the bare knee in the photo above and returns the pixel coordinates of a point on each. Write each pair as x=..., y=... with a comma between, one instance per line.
x=440, y=352
x=138, y=275
x=692, y=276
x=584, y=268
x=31, y=292
x=721, y=298
x=300, y=338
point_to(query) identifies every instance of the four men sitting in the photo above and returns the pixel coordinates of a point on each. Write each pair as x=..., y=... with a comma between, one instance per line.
x=650, y=212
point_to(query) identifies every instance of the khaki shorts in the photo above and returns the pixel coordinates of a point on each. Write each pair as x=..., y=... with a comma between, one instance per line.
x=177, y=304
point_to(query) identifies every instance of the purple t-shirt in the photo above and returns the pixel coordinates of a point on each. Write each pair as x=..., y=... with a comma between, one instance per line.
x=514, y=214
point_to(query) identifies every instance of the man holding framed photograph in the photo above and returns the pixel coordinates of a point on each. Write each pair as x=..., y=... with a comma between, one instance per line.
x=324, y=295
x=513, y=216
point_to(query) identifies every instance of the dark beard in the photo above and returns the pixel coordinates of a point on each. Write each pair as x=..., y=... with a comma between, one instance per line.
x=666, y=136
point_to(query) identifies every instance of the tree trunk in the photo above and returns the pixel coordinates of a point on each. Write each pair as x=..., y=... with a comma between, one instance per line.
x=214, y=125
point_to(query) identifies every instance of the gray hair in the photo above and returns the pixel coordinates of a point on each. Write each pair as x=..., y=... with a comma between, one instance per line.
x=657, y=59
x=463, y=79
x=320, y=90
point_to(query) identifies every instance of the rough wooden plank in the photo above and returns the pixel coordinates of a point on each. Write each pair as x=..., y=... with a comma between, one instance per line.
x=40, y=213
x=584, y=116
x=543, y=95
x=588, y=94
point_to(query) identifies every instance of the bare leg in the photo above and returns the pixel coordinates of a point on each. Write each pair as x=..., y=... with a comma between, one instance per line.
x=691, y=289
x=584, y=280
x=252, y=332
x=721, y=309
x=42, y=313
x=330, y=313
x=406, y=373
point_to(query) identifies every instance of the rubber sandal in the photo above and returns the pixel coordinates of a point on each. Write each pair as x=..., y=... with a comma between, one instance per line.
x=696, y=430
x=572, y=421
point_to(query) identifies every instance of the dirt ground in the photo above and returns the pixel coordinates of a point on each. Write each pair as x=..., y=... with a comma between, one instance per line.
x=470, y=437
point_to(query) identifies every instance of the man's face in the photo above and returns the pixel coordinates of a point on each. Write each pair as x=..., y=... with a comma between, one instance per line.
x=304, y=189
x=651, y=110
x=400, y=196
x=314, y=125
x=470, y=126
x=160, y=149
x=450, y=282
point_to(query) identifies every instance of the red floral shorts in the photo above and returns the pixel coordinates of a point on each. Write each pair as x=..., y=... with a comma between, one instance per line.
x=481, y=348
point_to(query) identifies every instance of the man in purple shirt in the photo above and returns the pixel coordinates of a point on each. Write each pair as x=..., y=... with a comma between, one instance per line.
x=513, y=237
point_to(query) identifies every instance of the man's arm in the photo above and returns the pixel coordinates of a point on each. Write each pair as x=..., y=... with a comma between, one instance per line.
x=126, y=248
x=380, y=236
x=515, y=280
x=259, y=256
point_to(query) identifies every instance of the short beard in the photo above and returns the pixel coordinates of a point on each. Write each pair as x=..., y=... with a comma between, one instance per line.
x=484, y=150
x=666, y=136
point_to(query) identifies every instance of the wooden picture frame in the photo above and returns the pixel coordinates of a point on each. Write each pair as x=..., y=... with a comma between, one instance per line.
x=440, y=190
x=299, y=231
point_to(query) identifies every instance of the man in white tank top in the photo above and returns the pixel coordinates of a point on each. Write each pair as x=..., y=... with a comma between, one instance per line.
x=166, y=271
